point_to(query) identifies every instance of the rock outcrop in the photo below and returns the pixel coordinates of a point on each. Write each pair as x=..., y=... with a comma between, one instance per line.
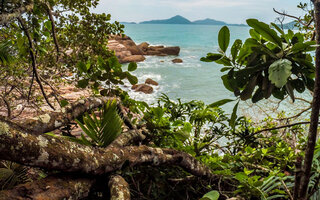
x=151, y=82
x=177, y=60
x=127, y=51
x=147, y=89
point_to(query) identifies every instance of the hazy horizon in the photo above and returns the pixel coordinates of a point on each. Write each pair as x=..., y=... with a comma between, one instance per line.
x=232, y=11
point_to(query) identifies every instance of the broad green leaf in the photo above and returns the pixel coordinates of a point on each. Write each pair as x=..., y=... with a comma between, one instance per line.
x=255, y=35
x=212, y=195
x=307, y=46
x=48, y=25
x=132, y=79
x=221, y=102
x=224, y=38
x=234, y=116
x=114, y=63
x=235, y=49
x=278, y=28
x=241, y=176
x=224, y=61
x=258, y=95
x=212, y=57
x=132, y=66
x=265, y=31
x=225, y=69
x=298, y=85
x=279, y=72
x=247, y=92
x=290, y=91
x=83, y=83
x=184, y=133
x=82, y=67
x=226, y=82
x=64, y=103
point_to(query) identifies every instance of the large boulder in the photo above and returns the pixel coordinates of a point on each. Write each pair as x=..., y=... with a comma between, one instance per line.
x=151, y=82
x=132, y=58
x=128, y=43
x=147, y=89
x=132, y=47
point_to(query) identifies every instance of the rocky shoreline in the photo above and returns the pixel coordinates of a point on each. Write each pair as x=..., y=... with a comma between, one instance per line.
x=128, y=51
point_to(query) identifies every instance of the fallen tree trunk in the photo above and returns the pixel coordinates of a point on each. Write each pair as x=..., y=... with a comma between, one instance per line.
x=56, y=187
x=53, y=153
x=54, y=120
x=119, y=188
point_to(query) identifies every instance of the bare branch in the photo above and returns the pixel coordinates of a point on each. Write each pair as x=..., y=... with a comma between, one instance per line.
x=281, y=127
x=54, y=33
x=53, y=187
x=33, y=58
x=294, y=17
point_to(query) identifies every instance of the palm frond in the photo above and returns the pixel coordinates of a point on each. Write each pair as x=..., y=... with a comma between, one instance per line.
x=103, y=129
x=5, y=54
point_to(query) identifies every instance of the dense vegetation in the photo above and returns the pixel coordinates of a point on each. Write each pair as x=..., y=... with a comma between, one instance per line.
x=202, y=151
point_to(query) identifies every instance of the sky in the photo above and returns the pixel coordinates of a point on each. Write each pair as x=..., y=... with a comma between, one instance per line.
x=230, y=11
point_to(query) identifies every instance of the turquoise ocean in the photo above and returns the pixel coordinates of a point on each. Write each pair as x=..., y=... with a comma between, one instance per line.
x=191, y=79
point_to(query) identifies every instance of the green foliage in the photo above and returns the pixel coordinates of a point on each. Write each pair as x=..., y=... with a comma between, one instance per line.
x=279, y=72
x=224, y=38
x=268, y=63
x=190, y=126
x=100, y=130
x=12, y=174
x=106, y=75
x=212, y=195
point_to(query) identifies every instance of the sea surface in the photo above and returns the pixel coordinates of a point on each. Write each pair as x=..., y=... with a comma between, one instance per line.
x=191, y=79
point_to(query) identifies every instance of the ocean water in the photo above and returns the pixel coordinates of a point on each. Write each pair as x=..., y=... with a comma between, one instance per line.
x=191, y=79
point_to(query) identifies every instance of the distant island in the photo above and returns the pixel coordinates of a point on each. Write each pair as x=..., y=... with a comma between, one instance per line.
x=178, y=19
x=128, y=23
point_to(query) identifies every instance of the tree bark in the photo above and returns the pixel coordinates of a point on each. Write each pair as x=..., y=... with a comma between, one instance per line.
x=119, y=188
x=54, y=120
x=56, y=187
x=312, y=136
x=53, y=153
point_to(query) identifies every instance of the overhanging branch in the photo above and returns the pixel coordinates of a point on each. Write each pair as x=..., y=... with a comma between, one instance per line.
x=53, y=153
x=7, y=17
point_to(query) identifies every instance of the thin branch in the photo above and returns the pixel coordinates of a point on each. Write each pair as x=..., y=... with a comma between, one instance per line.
x=299, y=114
x=281, y=127
x=30, y=88
x=54, y=33
x=33, y=59
x=291, y=16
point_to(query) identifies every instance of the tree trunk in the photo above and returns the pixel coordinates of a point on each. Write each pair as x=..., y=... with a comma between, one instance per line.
x=53, y=153
x=119, y=188
x=312, y=137
x=54, y=120
x=56, y=187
